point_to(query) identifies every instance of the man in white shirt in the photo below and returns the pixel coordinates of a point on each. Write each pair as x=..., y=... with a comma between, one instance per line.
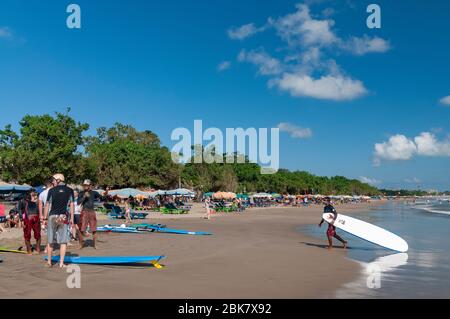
x=43, y=197
x=42, y=200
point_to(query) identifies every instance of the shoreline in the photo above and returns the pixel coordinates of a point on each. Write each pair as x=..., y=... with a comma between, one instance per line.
x=257, y=254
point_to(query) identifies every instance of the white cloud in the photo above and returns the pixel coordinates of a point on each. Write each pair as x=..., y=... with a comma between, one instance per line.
x=267, y=65
x=370, y=181
x=300, y=28
x=445, y=100
x=295, y=131
x=223, y=66
x=428, y=145
x=399, y=147
x=304, y=66
x=365, y=44
x=5, y=33
x=243, y=32
x=327, y=87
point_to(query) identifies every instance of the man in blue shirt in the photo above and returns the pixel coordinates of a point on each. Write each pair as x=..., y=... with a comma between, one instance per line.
x=331, y=231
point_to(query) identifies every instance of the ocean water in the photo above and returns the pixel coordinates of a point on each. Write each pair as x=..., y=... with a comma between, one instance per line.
x=423, y=272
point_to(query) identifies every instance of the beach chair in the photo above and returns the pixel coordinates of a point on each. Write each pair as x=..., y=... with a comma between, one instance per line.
x=138, y=215
x=171, y=209
x=116, y=213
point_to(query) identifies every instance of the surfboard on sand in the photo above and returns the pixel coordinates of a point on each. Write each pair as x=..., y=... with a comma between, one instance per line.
x=368, y=232
x=110, y=260
x=149, y=228
x=125, y=230
x=157, y=229
x=7, y=250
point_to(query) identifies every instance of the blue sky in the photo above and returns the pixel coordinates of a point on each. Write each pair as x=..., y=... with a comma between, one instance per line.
x=311, y=66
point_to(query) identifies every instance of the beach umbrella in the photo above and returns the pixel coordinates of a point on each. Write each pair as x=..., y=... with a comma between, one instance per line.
x=100, y=191
x=14, y=188
x=180, y=192
x=39, y=189
x=157, y=193
x=224, y=195
x=210, y=194
x=128, y=192
x=242, y=196
x=262, y=195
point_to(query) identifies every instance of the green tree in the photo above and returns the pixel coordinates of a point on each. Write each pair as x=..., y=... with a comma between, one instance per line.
x=121, y=156
x=46, y=145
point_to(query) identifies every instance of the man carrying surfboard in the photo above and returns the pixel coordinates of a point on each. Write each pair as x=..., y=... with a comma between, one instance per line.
x=331, y=231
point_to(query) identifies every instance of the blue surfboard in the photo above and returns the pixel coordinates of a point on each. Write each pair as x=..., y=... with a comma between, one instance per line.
x=127, y=230
x=142, y=228
x=108, y=260
x=154, y=228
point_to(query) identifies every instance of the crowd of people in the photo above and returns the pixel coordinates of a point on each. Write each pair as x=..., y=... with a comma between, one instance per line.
x=283, y=201
x=65, y=214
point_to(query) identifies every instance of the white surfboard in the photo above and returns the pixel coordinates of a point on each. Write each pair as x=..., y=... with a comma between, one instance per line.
x=369, y=232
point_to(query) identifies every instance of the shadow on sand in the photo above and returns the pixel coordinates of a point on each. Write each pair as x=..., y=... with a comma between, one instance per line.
x=335, y=247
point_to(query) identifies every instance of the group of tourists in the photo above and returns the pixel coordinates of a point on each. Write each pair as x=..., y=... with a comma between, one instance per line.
x=64, y=213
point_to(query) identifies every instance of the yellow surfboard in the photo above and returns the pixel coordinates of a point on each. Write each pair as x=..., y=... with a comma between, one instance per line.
x=7, y=250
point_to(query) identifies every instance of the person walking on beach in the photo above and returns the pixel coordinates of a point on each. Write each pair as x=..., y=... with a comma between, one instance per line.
x=208, y=209
x=59, y=199
x=29, y=214
x=86, y=201
x=127, y=212
x=331, y=231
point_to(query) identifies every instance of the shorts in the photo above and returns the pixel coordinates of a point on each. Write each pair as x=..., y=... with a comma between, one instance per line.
x=32, y=223
x=77, y=219
x=57, y=233
x=88, y=219
x=331, y=232
x=2, y=219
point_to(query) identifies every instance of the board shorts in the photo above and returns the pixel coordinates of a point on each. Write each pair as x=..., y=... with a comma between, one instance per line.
x=32, y=224
x=331, y=232
x=88, y=219
x=57, y=233
x=77, y=219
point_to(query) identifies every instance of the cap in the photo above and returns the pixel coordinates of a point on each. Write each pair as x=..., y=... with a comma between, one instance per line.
x=87, y=182
x=59, y=177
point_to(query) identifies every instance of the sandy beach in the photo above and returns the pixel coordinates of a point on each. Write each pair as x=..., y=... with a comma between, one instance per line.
x=257, y=254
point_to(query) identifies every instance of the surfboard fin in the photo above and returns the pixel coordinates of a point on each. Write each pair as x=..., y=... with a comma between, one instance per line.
x=157, y=265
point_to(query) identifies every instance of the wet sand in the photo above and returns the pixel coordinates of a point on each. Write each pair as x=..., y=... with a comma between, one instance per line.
x=257, y=254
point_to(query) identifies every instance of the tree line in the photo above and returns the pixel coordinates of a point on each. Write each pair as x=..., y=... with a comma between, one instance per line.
x=121, y=156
